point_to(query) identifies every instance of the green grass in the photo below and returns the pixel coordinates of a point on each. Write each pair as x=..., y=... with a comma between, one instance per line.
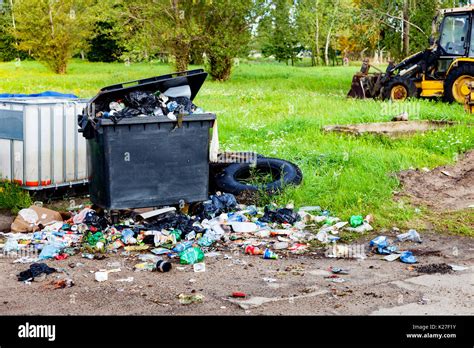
x=278, y=111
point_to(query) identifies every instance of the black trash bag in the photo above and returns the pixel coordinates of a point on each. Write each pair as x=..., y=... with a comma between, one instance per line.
x=36, y=269
x=224, y=202
x=145, y=102
x=93, y=219
x=181, y=222
x=282, y=215
x=185, y=105
x=126, y=112
x=217, y=205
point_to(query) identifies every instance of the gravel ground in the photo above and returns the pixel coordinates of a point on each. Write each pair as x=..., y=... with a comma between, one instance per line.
x=297, y=285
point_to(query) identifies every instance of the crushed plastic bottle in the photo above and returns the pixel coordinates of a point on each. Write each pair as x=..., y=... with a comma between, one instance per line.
x=180, y=247
x=127, y=236
x=411, y=235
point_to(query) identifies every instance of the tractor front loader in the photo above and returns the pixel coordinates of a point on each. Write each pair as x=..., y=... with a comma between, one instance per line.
x=445, y=70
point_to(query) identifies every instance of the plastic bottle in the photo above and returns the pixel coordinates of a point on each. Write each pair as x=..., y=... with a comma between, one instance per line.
x=180, y=247
x=127, y=236
x=206, y=240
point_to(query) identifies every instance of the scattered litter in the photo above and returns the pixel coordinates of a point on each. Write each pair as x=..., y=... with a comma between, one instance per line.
x=239, y=294
x=35, y=270
x=458, y=268
x=199, y=267
x=269, y=280
x=127, y=280
x=101, y=276
x=189, y=299
x=244, y=227
x=63, y=283
x=391, y=257
x=407, y=257
x=411, y=235
x=337, y=270
x=26, y=259
x=425, y=301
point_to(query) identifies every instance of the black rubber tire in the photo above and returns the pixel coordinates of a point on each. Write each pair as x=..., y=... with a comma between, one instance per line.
x=396, y=81
x=464, y=69
x=227, y=181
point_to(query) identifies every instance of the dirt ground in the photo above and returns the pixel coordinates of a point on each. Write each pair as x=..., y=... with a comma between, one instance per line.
x=443, y=188
x=290, y=286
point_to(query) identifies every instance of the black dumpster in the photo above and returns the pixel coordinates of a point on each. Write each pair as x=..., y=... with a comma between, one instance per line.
x=148, y=161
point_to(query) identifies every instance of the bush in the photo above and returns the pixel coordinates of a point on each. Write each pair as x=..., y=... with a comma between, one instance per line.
x=13, y=197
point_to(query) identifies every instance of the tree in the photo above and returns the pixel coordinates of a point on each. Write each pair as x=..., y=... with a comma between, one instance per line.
x=227, y=34
x=307, y=26
x=283, y=43
x=162, y=26
x=105, y=46
x=52, y=30
x=8, y=44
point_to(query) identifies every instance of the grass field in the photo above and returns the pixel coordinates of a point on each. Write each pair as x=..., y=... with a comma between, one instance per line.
x=278, y=111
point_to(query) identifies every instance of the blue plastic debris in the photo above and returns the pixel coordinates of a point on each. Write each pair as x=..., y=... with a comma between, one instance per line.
x=379, y=242
x=38, y=95
x=407, y=257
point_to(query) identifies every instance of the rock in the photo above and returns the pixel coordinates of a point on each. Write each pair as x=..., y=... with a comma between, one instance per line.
x=6, y=222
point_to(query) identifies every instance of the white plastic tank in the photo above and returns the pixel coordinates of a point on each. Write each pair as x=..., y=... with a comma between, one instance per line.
x=40, y=146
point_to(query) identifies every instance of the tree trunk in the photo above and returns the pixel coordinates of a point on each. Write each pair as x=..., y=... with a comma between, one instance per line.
x=328, y=37
x=181, y=55
x=316, y=39
x=406, y=28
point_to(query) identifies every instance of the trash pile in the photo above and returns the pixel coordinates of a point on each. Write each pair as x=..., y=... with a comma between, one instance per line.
x=147, y=104
x=157, y=239
x=165, y=236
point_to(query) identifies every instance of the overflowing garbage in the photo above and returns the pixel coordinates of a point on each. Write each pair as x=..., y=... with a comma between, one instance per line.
x=175, y=101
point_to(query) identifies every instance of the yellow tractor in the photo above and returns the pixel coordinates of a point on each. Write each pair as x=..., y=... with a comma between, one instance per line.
x=444, y=70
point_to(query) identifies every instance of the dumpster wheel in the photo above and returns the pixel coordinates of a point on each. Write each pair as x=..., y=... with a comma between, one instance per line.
x=267, y=174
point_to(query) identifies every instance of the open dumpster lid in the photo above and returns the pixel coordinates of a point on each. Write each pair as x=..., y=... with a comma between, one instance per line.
x=193, y=78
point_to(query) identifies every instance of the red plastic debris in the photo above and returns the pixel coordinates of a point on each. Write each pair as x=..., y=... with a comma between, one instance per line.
x=61, y=257
x=238, y=294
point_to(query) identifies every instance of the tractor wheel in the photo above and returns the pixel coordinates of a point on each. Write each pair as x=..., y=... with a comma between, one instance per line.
x=399, y=89
x=456, y=86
